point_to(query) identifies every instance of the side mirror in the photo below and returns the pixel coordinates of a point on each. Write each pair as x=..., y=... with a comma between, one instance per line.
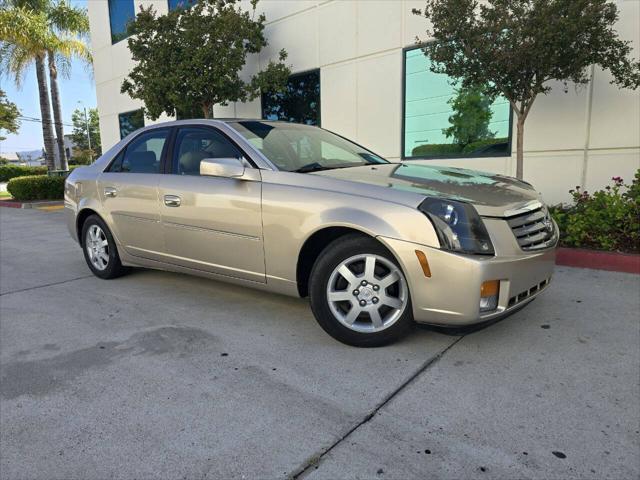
x=222, y=167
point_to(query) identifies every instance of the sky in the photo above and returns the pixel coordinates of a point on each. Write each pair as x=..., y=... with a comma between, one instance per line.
x=80, y=86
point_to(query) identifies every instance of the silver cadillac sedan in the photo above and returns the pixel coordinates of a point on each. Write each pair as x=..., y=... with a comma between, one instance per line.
x=300, y=211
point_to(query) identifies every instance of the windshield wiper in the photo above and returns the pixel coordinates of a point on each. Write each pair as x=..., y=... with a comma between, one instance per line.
x=312, y=167
x=316, y=167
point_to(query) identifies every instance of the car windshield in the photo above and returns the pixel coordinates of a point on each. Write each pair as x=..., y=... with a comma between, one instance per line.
x=301, y=148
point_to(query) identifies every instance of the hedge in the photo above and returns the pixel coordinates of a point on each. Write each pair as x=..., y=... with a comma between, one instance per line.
x=454, y=148
x=472, y=147
x=7, y=172
x=436, y=149
x=36, y=187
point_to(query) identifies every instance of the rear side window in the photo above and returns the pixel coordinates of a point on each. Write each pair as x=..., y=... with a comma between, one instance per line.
x=143, y=154
x=195, y=144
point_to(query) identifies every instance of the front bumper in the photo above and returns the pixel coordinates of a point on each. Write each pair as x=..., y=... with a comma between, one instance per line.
x=451, y=296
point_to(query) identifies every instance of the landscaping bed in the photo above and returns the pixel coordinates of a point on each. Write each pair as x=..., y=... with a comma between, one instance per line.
x=601, y=230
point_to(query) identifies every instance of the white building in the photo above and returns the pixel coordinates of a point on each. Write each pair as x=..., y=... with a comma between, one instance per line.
x=375, y=89
x=31, y=158
x=10, y=157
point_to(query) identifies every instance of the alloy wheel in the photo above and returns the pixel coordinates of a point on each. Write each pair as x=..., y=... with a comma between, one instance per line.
x=367, y=293
x=97, y=247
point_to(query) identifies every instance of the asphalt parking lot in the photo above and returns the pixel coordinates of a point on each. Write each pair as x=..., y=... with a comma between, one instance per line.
x=169, y=376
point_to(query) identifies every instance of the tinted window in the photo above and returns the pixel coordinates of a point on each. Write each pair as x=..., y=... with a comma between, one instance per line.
x=121, y=12
x=130, y=122
x=441, y=119
x=143, y=154
x=195, y=144
x=300, y=102
x=173, y=4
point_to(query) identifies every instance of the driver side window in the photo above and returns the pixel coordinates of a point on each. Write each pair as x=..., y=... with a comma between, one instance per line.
x=195, y=144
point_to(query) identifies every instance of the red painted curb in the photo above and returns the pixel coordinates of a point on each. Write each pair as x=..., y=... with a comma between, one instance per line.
x=10, y=204
x=612, y=261
x=29, y=203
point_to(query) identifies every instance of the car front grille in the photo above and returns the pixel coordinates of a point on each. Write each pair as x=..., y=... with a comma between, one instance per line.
x=534, y=230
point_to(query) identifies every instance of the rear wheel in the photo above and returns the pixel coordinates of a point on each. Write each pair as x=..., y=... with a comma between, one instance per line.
x=359, y=294
x=100, y=251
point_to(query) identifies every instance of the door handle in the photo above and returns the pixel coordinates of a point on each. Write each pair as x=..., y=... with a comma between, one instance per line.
x=110, y=192
x=172, y=200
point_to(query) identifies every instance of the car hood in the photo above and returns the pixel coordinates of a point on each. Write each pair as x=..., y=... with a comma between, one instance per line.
x=491, y=194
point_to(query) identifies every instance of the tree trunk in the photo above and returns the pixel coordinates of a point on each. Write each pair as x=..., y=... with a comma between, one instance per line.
x=520, y=148
x=45, y=113
x=57, y=110
x=207, y=110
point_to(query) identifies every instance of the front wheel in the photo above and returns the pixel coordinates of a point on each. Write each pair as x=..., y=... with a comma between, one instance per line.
x=359, y=294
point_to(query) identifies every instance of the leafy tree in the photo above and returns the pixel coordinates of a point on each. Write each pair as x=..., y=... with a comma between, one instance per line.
x=82, y=153
x=516, y=47
x=471, y=117
x=9, y=114
x=191, y=58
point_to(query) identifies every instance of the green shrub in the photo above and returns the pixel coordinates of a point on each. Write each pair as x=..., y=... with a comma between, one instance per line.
x=36, y=187
x=436, y=149
x=8, y=171
x=454, y=148
x=473, y=146
x=608, y=219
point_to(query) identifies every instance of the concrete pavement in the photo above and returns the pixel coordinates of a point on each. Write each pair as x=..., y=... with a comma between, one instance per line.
x=160, y=375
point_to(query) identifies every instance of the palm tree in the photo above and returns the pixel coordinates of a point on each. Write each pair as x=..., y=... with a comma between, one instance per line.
x=24, y=38
x=71, y=26
x=39, y=30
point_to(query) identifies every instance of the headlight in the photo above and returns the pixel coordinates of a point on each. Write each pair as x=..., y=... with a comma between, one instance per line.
x=458, y=225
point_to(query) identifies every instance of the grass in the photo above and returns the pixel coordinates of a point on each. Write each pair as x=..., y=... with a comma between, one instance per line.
x=5, y=195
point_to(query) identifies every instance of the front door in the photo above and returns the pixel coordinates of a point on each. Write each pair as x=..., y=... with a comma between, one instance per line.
x=211, y=223
x=129, y=193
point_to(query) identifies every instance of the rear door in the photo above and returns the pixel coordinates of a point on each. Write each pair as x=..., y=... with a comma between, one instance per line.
x=211, y=223
x=129, y=193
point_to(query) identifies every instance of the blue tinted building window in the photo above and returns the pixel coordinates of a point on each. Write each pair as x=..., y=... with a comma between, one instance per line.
x=299, y=102
x=173, y=4
x=130, y=122
x=444, y=120
x=121, y=12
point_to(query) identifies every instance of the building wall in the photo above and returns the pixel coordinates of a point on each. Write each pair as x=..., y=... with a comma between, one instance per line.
x=582, y=137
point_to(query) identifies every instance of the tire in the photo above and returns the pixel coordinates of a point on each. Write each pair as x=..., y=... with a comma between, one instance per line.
x=103, y=259
x=336, y=315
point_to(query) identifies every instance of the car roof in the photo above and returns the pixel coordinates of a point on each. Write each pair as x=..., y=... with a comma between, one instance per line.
x=214, y=121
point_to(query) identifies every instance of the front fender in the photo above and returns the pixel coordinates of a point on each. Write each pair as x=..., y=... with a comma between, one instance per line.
x=292, y=214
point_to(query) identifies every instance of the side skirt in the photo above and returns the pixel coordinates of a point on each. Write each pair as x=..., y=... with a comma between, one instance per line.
x=273, y=284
